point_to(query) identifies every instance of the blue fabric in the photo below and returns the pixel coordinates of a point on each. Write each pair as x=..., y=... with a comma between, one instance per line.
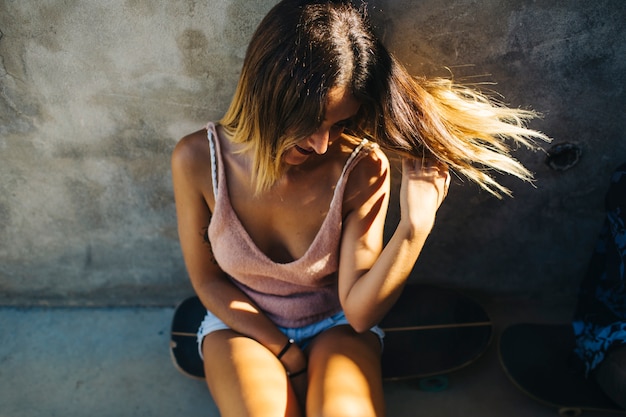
x=600, y=319
x=302, y=336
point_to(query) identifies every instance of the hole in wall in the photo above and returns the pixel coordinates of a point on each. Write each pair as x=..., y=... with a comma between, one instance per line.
x=563, y=156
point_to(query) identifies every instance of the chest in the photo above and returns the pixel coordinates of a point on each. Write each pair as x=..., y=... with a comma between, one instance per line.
x=284, y=222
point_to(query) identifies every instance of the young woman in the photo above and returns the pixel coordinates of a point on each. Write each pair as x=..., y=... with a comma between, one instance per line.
x=281, y=208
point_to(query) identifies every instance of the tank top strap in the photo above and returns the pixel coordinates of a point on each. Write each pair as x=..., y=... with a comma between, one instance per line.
x=214, y=148
x=361, y=150
x=355, y=153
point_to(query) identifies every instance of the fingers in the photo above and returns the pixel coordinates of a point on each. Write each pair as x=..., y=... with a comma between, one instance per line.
x=429, y=170
x=427, y=163
x=424, y=165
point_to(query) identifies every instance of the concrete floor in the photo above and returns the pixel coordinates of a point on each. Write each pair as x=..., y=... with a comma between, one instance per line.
x=115, y=362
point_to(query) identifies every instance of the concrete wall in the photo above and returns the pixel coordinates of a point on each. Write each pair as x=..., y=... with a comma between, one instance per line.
x=94, y=95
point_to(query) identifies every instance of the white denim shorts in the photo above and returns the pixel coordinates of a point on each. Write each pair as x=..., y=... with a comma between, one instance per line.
x=302, y=336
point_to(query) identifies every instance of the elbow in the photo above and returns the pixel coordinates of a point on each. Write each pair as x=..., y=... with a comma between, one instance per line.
x=361, y=323
x=362, y=329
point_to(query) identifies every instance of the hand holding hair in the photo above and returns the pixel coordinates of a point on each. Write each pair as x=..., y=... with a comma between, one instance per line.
x=425, y=183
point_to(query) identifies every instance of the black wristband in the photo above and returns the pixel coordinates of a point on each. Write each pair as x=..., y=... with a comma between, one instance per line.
x=285, y=349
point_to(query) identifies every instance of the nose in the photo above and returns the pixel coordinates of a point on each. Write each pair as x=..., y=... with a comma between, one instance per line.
x=319, y=141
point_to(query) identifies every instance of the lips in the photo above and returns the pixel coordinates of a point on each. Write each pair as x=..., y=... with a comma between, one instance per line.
x=303, y=151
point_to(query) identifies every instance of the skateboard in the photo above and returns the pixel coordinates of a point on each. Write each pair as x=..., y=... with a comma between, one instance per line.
x=429, y=333
x=539, y=360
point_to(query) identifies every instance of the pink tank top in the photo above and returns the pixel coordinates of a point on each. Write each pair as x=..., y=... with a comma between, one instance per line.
x=293, y=294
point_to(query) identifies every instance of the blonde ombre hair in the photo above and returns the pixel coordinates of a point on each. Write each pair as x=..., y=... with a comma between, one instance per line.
x=303, y=48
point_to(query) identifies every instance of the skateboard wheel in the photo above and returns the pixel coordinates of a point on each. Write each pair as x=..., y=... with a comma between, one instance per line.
x=434, y=383
x=569, y=412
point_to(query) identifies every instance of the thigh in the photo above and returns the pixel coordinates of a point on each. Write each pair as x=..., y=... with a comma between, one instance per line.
x=345, y=375
x=245, y=379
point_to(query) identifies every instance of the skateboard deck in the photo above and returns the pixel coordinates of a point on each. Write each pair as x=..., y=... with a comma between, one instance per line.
x=429, y=333
x=538, y=359
x=432, y=331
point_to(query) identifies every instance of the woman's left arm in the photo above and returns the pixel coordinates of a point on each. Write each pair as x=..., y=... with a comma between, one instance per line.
x=371, y=277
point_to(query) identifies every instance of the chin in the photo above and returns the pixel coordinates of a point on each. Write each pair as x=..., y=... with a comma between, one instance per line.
x=293, y=157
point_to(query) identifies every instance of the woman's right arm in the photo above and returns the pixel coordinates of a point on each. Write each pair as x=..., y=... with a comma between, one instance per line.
x=193, y=193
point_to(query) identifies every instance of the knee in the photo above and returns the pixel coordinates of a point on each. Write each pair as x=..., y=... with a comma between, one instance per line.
x=344, y=375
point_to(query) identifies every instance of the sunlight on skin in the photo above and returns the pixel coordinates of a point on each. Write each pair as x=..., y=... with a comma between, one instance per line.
x=242, y=306
x=344, y=380
x=267, y=373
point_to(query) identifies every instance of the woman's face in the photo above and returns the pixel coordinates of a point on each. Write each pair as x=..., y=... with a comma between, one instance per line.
x=340, y=107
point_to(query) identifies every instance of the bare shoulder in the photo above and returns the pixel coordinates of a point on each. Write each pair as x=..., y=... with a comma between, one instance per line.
x=376, y=162
x=369, y=178
x=371, y=168
x=191, y=150
x=191, y=166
